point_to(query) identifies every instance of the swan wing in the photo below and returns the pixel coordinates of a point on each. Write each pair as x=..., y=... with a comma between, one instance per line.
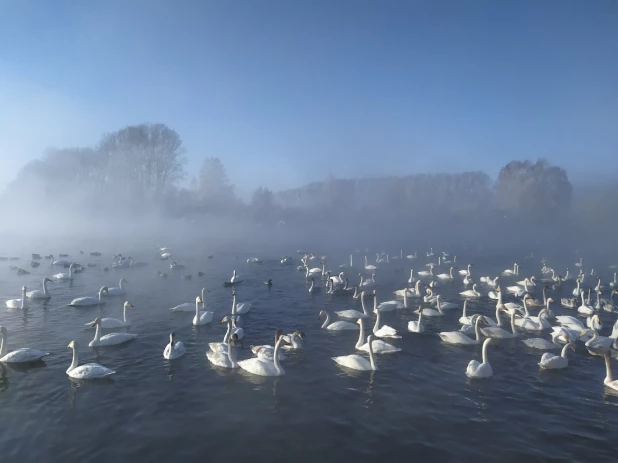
x=379, y=347
x=23, y=355
x=341, y=325
x=260, y=367
x=456, y=337
x=90, y=371
x=355, y=362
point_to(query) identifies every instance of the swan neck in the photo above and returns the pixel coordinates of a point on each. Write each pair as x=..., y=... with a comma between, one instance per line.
x=276, y=356
x=376, y=327
x=197, y=308
x=75, y=360
x=563, y=354
x=476, y=329
x=23, y=298
x=405, y=298
x=231, y=354
x=371, y=357
x=608, y=367
x=97, y=333
x=417, y=286
x=513, y=325
x=485, y=344
x=45, y=287
x=228, y=333
x=498, y=320
x=3, y=346
x=361, y=335
x=234, y=304
x=327, y=321
x=124, y=313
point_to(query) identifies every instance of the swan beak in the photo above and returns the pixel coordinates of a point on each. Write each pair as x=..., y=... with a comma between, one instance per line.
x=130, y=305
x=223, y=321
x=573, y=348
x=582, y=333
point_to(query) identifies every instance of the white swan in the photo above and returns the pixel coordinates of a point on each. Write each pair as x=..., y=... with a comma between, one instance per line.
x=471, y=292
x=494, y=295
x=265, y=352
x=445, y=305
x=174, y=350
x=614, y=284
x=110, y=339
x=315, y=272
x=293, y=341
x=107, y=323
x=446, y=276
x=378, y=346
x=427, y=273
x=594, y=322
x=23, y=355
x=64, y=276
x=241, y=308
x=412, y=280
x=416, y=292
x=527, y=281
x=431, y=312
x=465, y=272
x=568, y=303
x=21, y=303
x=88, y=370
x=585, y=309
x=313, y=289
x=480, y=370
x=468, y=279
x=369, y=283
x=577, y=291
x=509, y=272
x=336, y=326
x=597, y=342
x=369, y=267
x=580, y=263
x=556, y=362
x=89, y=301
x=543, y=344
x=355, y=314
x=489, y=281
x=253, y=260
x=386, y=306
x=358, y=362
x=38, y=294
x=201, y=317
x=608, y=305
x=457, y=337
x=222, y=346
x=263, y=367
x=535, y=323
x=226, y=359
x=570, y=322
x=500, y=333
x=384, y=331
x=416, y=326
x=117, y=291
x=609, y=380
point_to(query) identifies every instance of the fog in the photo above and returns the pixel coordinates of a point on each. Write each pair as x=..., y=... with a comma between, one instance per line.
x=132, y=190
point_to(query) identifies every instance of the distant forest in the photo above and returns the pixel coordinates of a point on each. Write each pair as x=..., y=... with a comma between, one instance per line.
x=140, y=169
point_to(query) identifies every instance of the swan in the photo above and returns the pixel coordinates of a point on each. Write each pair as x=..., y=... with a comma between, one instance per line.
x=378, y=346
x=88, y=370
x=313, y=272
x=584, y=309
x=535, y=323
x=465, y=319
x=235, y=278
x=371, y=268
x=336, y=326
x=412, y=280
x=608, y=305
x=445, y=305
x=265, y=352
x=431, y=312
x=429, y=297
x=471, y=292
x=110, y=339
x=517, y=290
x=489, y=281
x=313, y=289
x=174, y=350
x=241, y=308
x=570, y=322
x=609, y=380
x=64, y=276
x=346, y=265
x=569, y=303
x=263, y=367
x=416, y=292
x=384, y=331
x=107, y=323
x=594, y=322
x=293, y=341
x=355, y=314
x=465, y=272
x=117, y=291
x=527, y=282
x=468, y=279
x=427, y=273
x=580, y=263
x=358, y=362
x=577, y=291
x=495, y=295
x=225, y=359
x=89, y=301
x=614, y=283
x=457, y=337
x=509, y=272
x=500, y=333
x=556, y=362
x=512, y=306
x=446, y=276
x=38, y=294
x=597, y=342
x=480, y=370
x=59, y=263
x=387, y=306
x=202, y=317
x=430, y=253
x=416, y=326
x=23, y=355
x=369, y=283
x=222, y=346
x=412, y=256
x=543, y=344
x=253, y=260
x=537, y=319
x=21, y=303
x=599, y=286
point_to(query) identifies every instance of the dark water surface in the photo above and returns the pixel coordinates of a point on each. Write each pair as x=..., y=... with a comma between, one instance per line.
x=419, y=405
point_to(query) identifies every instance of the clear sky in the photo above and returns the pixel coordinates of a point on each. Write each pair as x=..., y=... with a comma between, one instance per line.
x=286, y=92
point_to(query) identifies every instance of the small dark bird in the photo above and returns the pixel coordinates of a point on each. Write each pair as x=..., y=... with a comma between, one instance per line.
x=186, y=277
x=35, y=256
x=269, y=283
x=34, y=264
x=106, y=269
x=81, y=252
x=200, y=274
x=21, y=271
x=211, y=256
x=91, y=265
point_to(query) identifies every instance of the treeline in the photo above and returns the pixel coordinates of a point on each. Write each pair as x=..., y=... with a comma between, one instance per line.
x=140, y=169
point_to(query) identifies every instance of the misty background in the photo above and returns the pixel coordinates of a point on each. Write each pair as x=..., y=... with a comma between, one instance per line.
x=254, y=124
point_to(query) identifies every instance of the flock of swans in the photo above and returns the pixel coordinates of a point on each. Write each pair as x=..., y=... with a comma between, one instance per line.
x=423, y=287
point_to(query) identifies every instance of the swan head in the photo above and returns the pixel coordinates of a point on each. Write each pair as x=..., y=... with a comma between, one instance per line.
x=198, y=299
x=234, y=341
x=128, y=304
x=72, y=344
x=359, y=321
x=96, y=322
x=47, y=280
x=104, y=289
x=374, y=291
x=322, y=313
x=124, y=280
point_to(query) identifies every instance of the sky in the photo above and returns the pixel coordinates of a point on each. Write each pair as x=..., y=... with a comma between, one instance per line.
x=287, y=92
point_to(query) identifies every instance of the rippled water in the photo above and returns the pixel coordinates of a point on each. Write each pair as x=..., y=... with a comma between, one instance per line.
x=420, y=404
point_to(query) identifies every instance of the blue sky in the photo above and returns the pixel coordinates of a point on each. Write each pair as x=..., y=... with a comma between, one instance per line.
x=287, y=92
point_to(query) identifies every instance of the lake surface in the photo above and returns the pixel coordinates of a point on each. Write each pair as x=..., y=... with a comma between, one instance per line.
x=419, y=405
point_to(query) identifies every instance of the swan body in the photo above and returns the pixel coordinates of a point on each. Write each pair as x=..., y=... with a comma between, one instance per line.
x=21, y=303
x=174, y=349
x=358, y=362
x=609, y=380
x=416, y=326
x=459, y=338
x=253, y=260
x=471, y=292
x=445, y=305
x=556, y=362
x=480, y=370
x=584, y=308
x=509, y=272
x=377, y=345
x=500, y=333
x=570, y=322
x=313, y=289
x=88, y=301
x=64, y=276
x=201, y=317
x=88, y=370
x=336, y=326
x=111, y=339
x=117, y=291
x=384, y=331
x=38, y=294
x=541, y=344
x=108, y=323
x=262, y=367
x=355, y=314
x=225, y=359
x=597, y=342
x=446, y=276
x=241, y=308
x=235, y=278
x=23, y=355
x=465, y=272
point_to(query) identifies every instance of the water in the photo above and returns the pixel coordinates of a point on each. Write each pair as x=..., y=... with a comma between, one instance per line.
x=420, y=403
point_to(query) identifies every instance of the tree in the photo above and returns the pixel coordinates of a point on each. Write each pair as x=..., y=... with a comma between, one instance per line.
x=213, y=186
x=262, y=204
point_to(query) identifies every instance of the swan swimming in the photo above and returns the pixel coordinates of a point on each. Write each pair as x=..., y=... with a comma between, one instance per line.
x=266, y=351
x=111, y=339
x=88, y=301
x=226, y=359
x=416, y=326
x=117, y=291
x=480, y=370
x=174, y=350
x=241, y=308
x=556, y=362
x=358, y=362
x=88, y=370
x=38, y=294
x=64, y=276
x=336, y=326
x=263, y=367
x=21, y=303
x=384, y=331
x=201, y=317
x=609, y=380
x=355, y=314
x=107, y=323
x=378, y=346
x=23, y=355
x=457, y=337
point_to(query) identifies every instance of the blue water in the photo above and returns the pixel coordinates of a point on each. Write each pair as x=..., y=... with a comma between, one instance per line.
x=420, y=404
